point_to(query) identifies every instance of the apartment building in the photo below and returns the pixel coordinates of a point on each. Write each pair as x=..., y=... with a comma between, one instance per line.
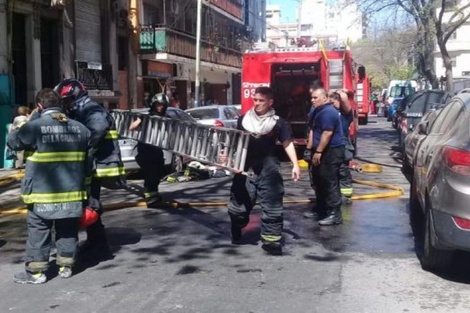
x=278, y=33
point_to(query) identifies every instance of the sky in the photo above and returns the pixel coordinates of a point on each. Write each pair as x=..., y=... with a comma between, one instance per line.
x=288, y=9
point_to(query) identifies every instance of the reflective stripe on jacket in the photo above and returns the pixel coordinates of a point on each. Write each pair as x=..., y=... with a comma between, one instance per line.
x=104, y=137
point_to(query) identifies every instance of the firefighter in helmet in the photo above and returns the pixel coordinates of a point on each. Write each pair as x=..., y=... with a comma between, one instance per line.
x=108, y=169
x=149, y=157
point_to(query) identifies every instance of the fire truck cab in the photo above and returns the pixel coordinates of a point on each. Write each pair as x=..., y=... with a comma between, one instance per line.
x=289, y=71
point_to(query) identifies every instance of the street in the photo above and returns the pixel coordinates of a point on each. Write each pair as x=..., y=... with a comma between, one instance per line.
x=182, y=260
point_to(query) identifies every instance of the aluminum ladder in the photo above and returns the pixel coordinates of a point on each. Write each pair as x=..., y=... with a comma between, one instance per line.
x=202, y=143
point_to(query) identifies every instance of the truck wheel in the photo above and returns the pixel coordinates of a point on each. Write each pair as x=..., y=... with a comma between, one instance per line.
x=432, y=258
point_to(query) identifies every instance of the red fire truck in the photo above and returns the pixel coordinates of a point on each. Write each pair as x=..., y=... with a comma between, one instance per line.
x=289, y=71
x=362, y=95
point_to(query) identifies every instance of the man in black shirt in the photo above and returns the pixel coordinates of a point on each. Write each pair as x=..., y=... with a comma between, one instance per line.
x=266, y=129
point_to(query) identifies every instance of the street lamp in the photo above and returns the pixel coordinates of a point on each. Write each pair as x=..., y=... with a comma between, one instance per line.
x=198, y=53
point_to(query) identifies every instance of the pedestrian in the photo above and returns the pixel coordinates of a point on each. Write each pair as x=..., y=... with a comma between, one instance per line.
x=175, y=101
x=149, y=157
x=108, y=168
x=340, y=101
x=328, y=153
x=18, y=121
x=266, y=128
x=53, y=187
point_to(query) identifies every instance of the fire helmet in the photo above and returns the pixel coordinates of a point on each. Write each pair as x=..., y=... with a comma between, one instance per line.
x=89, y=217
x=162, y=99
x=71, y=88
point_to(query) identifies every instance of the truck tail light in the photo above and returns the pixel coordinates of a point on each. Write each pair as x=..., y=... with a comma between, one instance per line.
x=457, y=160
x=218, y=123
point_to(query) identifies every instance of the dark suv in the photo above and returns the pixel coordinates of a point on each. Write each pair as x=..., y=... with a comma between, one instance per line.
x=413, y=107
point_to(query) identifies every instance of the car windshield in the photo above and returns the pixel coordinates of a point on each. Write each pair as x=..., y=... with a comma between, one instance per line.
x=204, y=113
x=401, y=91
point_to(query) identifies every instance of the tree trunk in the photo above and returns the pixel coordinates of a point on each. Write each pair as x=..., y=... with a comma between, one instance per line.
x=448, y=66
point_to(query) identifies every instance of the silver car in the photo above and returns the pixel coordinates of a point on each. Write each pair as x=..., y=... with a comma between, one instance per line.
x=440, y=189
x=173, y=162
x=215, y=115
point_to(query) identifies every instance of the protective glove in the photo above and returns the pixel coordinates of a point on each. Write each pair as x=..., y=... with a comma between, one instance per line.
x=307, y=155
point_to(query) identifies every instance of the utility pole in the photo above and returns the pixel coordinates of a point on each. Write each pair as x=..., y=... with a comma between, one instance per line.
x=198, y=53
x=299, y=22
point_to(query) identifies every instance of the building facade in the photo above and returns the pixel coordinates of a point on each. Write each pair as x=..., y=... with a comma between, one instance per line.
x=280, y=34
x=167, y=49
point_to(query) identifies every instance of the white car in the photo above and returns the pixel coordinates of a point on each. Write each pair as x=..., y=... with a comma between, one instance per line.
x=215, y=115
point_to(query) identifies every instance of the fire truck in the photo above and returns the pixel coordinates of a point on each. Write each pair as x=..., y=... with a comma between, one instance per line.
x=362, y=95
x=289, y=71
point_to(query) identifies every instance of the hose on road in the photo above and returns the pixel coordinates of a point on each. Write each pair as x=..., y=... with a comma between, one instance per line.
x=395, y=191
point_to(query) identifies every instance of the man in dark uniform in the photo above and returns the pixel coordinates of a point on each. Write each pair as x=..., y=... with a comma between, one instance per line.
x=149, y=157
x=328, y=154
x=108, y=167
x=53, y=187
x=340, y=101
x=266, y=129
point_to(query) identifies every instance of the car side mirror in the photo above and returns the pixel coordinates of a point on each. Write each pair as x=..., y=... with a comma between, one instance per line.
x=423, y=128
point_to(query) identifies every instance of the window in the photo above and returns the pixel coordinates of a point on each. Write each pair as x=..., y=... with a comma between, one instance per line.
x=150, y=15
x=446, y=118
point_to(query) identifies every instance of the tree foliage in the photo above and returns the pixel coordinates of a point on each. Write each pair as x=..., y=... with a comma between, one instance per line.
x=435, y=21
x=386, y=57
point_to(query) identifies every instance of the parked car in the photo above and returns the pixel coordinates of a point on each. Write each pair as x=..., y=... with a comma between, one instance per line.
x=413, y=140
x=413, y=107
x=215, y=115
x=440, y=189
x=238, y=107
x=173, y=162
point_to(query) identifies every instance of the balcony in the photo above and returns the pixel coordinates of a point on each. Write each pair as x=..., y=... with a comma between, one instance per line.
x=232, y=7
x=165, y=40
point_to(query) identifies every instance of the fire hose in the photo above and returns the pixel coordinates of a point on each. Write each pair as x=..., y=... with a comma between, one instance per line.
x=395, y=191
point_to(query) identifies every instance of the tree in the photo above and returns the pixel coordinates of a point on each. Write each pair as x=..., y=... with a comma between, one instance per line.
x=386, y=57
x=436, y=21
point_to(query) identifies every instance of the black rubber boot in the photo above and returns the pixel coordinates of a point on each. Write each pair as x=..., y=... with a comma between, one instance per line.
x=334, y=218
x=272, y=248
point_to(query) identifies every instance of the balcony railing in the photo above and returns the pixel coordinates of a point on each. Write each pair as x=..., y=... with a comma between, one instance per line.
x=165, y=40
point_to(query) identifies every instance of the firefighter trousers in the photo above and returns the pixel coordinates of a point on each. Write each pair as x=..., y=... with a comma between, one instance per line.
x=267, y=186
x=345, y=180
x=326, y=181
x=151, y=161
x=96, y=234
x=38, y=243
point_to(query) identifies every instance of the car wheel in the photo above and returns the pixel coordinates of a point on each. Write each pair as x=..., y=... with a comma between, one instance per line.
x=432, y=258
x=406, y=169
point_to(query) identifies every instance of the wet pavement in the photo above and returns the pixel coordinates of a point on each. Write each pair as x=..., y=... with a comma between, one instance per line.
x=181, y=260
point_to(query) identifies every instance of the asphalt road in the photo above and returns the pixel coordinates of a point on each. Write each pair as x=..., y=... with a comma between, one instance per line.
x=181, y=260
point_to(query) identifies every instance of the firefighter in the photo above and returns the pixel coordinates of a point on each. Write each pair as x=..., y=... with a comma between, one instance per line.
x=108, y=168
x=326, y=137
x=266, y=129
x=340, y=101
x=149, y=157
x=53, y=187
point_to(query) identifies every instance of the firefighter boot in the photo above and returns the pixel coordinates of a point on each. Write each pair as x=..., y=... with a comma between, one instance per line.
x=30, y=278
x=272, y=247
x=334, y=218
x=154, y=200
